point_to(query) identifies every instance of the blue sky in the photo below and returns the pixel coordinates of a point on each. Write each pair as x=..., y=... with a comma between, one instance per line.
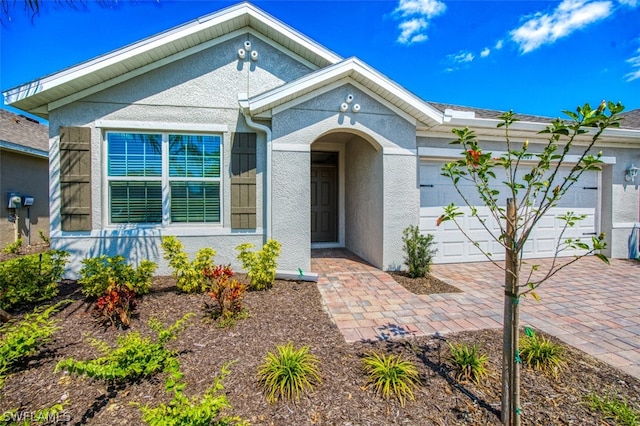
x=535, y=57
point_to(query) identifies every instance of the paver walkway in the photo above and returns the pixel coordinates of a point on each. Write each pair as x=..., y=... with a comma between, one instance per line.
x=591, y=306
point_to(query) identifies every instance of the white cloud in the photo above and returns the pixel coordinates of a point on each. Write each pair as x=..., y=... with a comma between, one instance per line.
x=630, y=3
x=414, y=16
x=499, y=44
x=635, y=63
x=485, y=52
x=461, y=57
x=569, y=16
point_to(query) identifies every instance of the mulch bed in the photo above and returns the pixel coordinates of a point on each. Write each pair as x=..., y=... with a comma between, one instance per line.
x=423, y=285
x=292, y=311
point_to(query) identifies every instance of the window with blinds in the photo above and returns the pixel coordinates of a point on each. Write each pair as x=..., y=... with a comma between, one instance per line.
x=142, y=167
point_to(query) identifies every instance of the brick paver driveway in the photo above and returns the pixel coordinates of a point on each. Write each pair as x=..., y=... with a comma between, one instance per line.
x=591, y=306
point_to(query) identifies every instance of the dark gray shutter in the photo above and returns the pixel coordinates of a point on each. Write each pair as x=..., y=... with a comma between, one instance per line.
x=243, y=181
x=75, y=178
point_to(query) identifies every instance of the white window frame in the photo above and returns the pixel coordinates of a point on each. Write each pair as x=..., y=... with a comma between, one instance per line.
x=165, y=179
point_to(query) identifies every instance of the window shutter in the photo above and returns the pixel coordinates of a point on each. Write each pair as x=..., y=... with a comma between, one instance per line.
x=75, y=178
x=243, y=181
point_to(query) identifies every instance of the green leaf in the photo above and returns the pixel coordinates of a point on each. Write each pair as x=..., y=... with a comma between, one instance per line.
x=603, y=258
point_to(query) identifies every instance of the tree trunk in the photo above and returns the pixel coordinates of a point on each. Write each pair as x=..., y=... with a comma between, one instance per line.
x=510, y=354
x=4, y=316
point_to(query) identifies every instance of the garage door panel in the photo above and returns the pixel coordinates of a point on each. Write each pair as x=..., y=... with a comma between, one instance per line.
x=453, y=246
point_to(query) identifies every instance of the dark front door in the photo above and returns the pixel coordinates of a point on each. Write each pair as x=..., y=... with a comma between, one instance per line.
x=324, y=197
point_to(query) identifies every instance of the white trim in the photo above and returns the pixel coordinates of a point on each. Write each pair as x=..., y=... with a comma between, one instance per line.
x=392, y=150
x=138, y=231
x=335, y=85
x=456, y=153
x=161, y=126
x=338, y=72
x=290, y=147
x=296, y=275
x=624, y=225
x=14, y=147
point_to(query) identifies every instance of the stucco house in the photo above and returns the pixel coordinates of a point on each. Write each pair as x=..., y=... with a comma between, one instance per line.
x=24, y=172
x=237, y=128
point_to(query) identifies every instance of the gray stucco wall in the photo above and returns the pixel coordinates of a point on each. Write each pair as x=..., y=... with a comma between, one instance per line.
x=378, y=159
x=364, y=199
x=201, y=89
x=27, y=175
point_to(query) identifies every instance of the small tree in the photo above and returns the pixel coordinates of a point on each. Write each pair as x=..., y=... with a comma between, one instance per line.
x=533, y=185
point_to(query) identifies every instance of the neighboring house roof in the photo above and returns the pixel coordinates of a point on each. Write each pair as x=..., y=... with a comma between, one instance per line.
x=352, y=71
x=135, y=59
x=487, y=113
x=22, y=134
x=631, y=119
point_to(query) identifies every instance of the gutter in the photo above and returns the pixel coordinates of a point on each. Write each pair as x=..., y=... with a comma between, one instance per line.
x=243, y=100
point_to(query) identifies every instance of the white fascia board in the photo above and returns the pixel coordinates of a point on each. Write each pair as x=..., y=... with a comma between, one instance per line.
x=10, y=146
x=453, y=153
x=142, y=70
x=294, y=35
x=160, y=126
x=334, y=85
x=335, y=73
x=169, y=36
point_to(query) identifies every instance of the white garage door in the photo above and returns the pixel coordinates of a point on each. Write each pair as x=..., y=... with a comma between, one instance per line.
x=437, y=191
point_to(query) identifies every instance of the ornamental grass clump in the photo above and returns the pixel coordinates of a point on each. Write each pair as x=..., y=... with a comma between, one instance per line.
x=391, y=375
x=288, y=373
x=614, y=408
x=542, y=354
x=468, y=362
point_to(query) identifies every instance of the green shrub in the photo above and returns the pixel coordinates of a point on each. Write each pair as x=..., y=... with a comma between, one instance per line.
x=260, y=265
x=468, y=362
x=391, y=375
x=133, y=357
x=43, y=237
x=418, y=250
x=226, y=292
x=188, y=275
x=19, y=339
x=99, y=273
x=542, y=354
x=288, y=373
x=614, y=408
x=13, y=248
x=189, y=411
x=31, y=278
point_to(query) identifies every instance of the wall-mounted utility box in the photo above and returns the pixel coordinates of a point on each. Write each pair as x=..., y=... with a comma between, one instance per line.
x=27, y=201
x=14, y=200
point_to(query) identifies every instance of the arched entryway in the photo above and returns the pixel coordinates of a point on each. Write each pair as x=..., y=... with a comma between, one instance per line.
x=346, y=194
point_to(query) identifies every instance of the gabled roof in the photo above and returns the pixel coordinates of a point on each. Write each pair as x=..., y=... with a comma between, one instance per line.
x=631, y=119
x=351, y=70
x=22, y=134
x=35, y=96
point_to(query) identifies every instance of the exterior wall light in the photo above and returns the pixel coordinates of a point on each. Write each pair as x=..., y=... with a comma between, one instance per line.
x=631, y=173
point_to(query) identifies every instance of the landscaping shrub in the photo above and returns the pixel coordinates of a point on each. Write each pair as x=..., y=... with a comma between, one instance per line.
x=19, y=339
x=418, y=250
x=260, y=265
x=614, y=408
x=31, y=278
x=542, y=354
x=100, y=273
x=391, y=375
x=189, y=411
x=288, y=373
x=133, y=357
x=188, y=275
x=13, y=248
x=226, y=292
x=116, y=305
x=468, y=362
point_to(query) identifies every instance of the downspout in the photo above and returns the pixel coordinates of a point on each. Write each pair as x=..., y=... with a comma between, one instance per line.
x=244, y=106
x=298, y=275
